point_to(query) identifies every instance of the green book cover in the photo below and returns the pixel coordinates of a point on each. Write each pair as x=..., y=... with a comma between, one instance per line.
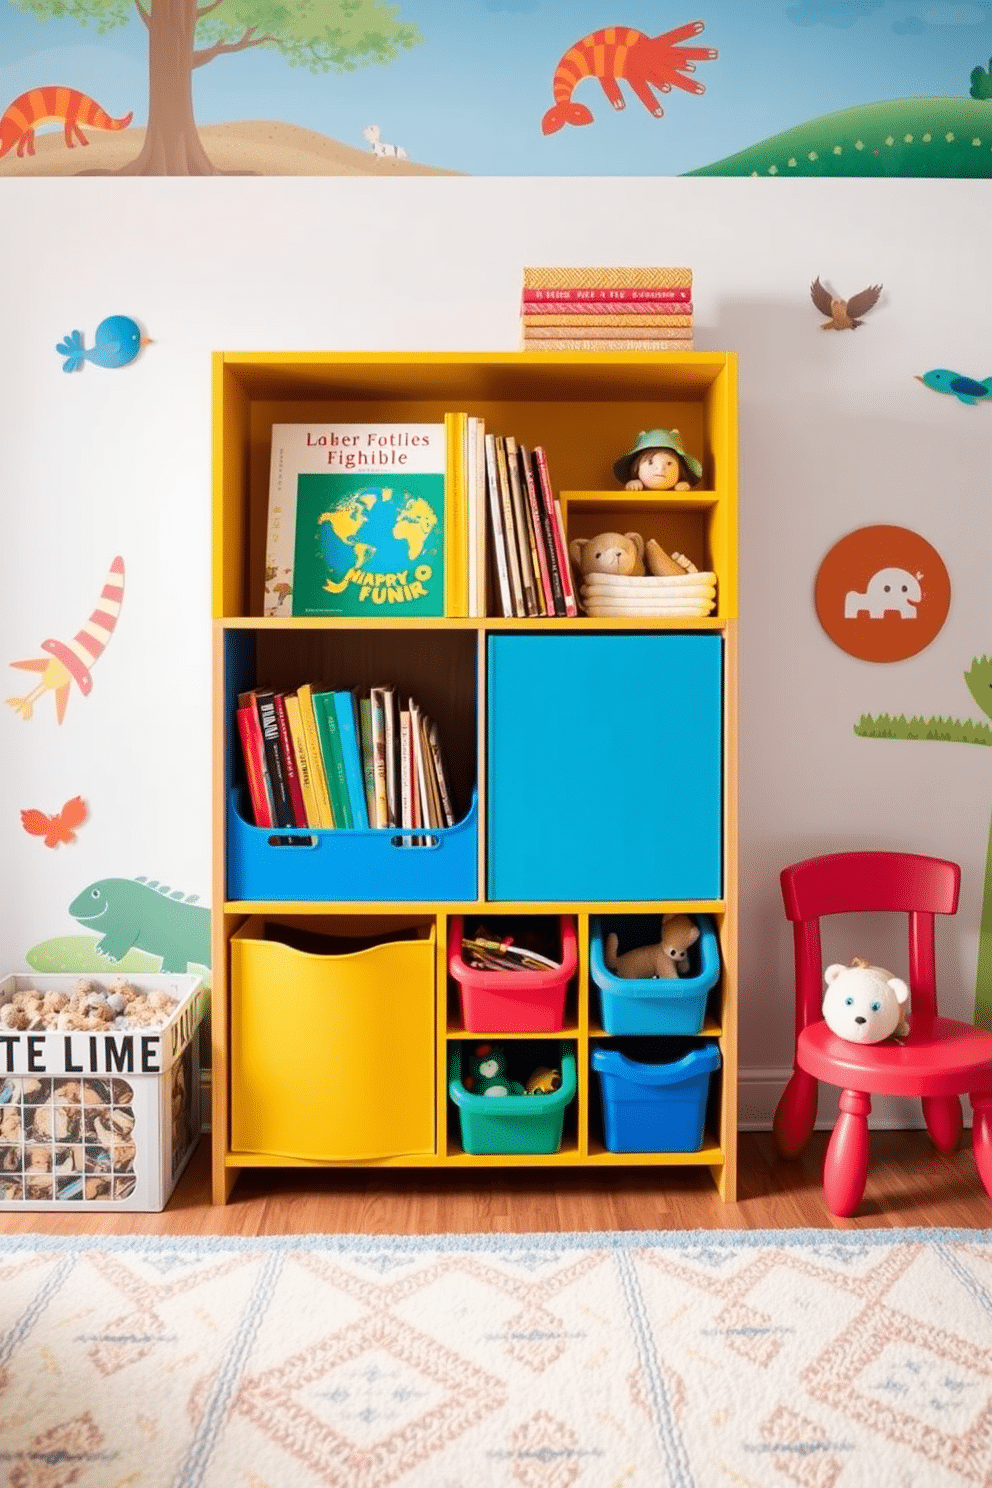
x=368, y=754
x=356, y=521
x=325, y=713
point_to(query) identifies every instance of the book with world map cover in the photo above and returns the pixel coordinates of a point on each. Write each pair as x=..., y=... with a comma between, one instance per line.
x=364, y=521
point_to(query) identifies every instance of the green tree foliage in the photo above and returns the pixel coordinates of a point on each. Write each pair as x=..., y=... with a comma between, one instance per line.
x=321, y=35
x=981, y=82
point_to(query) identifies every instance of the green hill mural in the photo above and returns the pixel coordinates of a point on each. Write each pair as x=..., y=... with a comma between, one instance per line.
x=902, y=137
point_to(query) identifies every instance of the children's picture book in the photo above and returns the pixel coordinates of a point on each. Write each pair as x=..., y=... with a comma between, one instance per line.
x=358, y=521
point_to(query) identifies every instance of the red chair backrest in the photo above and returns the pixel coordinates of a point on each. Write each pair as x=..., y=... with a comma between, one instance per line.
x=865, y=882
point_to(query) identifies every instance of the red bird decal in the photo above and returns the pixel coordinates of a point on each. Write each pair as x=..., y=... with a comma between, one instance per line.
x=56, y=829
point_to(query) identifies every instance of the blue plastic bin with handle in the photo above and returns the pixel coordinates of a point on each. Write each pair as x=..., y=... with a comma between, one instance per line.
x=655, y=1107
x=653, y=1005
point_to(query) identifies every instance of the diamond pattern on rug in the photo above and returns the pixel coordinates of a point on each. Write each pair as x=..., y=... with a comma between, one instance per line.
x=363, y=1407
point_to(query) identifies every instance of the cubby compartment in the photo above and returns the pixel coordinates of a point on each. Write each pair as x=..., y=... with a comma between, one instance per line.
x=332, y=1037
x=573, y=816
x=653, y=1093
x=494, y=999
x=531, y=1124
x=688, y=522
x=437, y=668
x=651, y=1004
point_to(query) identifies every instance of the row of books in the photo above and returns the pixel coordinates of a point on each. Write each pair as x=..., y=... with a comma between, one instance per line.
x=342, y=758
x=525, y=529
x=607, y=309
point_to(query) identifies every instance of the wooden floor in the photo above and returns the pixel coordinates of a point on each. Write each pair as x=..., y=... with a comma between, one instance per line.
x=910, y=1184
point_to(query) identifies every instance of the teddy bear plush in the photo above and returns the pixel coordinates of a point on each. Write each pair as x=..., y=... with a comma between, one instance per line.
x=609, y=552
x=668, y=958
x=865, y=1004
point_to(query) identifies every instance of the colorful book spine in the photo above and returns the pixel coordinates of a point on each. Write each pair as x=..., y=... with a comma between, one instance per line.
x=520, y=526
x=253, y=752
x=351, y=755
x=607, y=329
x=289, y=761
x=282, y=805
x=569, y=277
x=368, y=756
x=605, y=294
x=567, y=343
x=379, y=808
x=623, y=312
x=519, y=608
x=303, y=770
x=535, y=511
x=542, y=516
x=455, y=516
x=330, y=748
x=315, y=754
x=558, y=529
x=500, y=562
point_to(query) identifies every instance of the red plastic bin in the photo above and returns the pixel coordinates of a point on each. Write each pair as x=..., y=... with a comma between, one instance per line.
x=513, y=1001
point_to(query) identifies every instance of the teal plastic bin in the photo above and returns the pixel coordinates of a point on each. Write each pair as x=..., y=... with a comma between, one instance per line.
x=631, y=1005
x=658, y=1103
x=514, y=1123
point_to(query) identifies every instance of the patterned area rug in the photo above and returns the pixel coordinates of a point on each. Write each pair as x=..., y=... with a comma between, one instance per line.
x=642, y=1360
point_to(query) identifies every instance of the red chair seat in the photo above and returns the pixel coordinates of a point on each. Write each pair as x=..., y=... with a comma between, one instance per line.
x=946, y=1058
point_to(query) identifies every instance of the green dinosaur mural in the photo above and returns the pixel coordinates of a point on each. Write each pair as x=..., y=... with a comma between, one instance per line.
x=952, y=730
x=142, y=914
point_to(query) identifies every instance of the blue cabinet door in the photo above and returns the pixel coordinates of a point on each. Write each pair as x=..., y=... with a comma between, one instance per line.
x=605, y=767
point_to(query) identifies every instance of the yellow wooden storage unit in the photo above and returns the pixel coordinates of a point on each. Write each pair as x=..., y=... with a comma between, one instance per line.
x=330, y=1061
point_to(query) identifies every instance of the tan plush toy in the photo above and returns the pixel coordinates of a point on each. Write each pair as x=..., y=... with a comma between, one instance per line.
x=667, y=959
x=661, y=565
x=609, y=552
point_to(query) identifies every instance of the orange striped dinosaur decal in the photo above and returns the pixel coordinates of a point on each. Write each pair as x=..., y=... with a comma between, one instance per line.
x=66, y=106
x=620, y=52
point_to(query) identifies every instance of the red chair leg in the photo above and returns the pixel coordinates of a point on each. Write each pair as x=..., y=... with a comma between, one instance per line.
x=845, y=1170
x=944, y=1120
x=981, y=1138
x=795, y=1114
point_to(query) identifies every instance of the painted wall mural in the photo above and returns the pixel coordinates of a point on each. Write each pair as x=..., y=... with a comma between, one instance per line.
x=530, y=87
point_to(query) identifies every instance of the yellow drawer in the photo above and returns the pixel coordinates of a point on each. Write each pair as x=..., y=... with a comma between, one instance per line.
x=332, y=1054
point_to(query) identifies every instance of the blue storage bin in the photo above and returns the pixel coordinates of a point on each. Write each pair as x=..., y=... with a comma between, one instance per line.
x=655, y=1107
x=654, y=1005
x=513, y=1123
x=348, y=865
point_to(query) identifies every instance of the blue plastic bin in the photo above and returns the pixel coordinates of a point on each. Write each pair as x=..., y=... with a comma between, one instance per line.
x=655, y=1107
x=347, y=864
x=653, y=1005
x=513, y=1123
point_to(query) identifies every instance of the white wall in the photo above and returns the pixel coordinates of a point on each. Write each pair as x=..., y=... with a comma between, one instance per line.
x=835, y=434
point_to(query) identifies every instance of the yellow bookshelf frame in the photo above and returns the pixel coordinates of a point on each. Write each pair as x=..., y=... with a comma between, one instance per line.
x=585, y=408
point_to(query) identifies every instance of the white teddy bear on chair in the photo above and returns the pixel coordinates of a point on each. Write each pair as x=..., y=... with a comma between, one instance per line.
x=865, y=1004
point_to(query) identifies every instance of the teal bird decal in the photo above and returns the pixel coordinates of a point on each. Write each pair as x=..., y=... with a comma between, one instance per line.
x=116, y=341
x=965, y=389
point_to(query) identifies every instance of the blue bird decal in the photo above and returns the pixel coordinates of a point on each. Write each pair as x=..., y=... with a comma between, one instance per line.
x=965, y=389
x=116, y=342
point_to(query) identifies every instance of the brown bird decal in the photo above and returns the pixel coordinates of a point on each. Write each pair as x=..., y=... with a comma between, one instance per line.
x=844, y=314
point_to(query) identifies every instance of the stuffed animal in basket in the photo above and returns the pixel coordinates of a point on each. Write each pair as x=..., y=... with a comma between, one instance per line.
x=668, y=958
x=487, y=1072
x=543, y=1081
x=610, y=553
x=865, y=1004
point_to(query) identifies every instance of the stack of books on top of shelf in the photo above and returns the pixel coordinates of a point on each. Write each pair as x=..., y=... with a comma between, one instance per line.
x=607, y=309
x=527, y=546
x=342, y=758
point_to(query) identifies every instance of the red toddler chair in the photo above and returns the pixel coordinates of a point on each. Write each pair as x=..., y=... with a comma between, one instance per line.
x=940, y=1060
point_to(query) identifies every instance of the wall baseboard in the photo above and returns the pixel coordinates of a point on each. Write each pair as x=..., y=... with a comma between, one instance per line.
x=758, y=1095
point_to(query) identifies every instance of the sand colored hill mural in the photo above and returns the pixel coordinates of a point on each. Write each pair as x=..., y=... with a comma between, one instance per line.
x=495, y=87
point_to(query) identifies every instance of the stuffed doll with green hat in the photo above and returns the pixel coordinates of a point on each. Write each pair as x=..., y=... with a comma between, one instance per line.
x=657, y=462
